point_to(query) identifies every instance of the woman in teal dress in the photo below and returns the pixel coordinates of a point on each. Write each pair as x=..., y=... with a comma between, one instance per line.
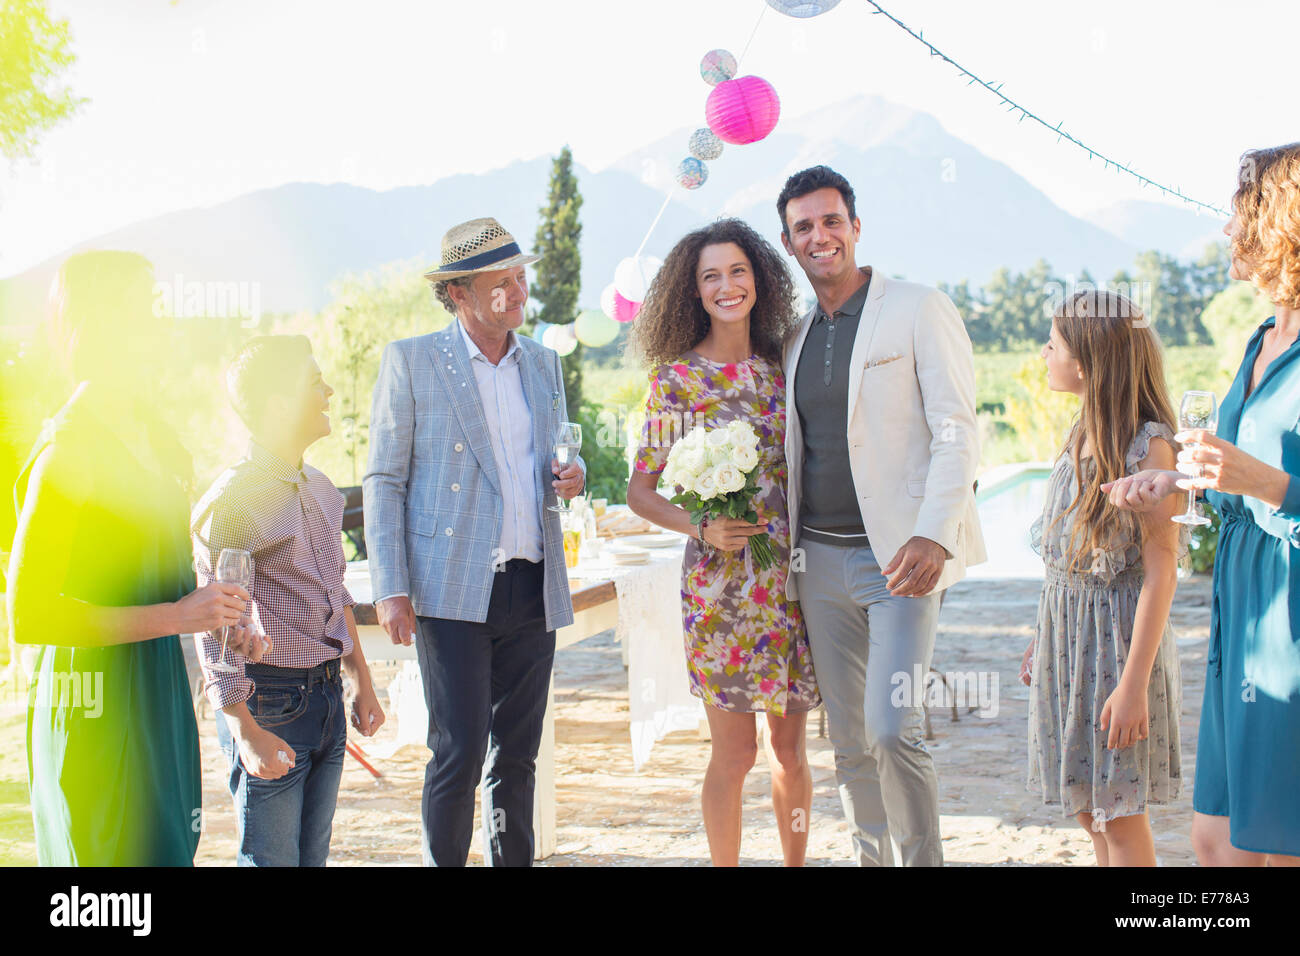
x=101, y=578
x=1247, y=792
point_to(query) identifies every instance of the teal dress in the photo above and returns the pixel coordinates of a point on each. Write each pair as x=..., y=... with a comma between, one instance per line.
x=1248, y=755
x=112, y=743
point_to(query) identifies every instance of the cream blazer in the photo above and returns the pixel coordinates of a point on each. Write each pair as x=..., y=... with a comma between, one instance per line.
x=913, y=439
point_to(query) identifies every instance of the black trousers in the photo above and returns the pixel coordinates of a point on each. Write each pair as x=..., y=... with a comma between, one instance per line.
x=486, y=686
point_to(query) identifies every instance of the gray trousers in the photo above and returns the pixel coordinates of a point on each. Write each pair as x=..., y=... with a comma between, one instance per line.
x=863, y=638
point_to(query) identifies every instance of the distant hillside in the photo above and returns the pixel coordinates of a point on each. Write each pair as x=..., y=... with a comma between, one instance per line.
x=1177, y=230
x=932, y=207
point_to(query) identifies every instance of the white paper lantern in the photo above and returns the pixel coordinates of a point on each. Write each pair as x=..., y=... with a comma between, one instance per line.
x=704, y=144
x=561, y=339
x=633, y=276
x=607, y=302
x=802, y=9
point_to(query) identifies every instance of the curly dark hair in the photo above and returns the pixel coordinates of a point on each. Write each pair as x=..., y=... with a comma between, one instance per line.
x=809, y=181
x=673, y=320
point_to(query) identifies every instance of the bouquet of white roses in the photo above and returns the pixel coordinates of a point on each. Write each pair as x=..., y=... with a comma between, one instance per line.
x=716, y=470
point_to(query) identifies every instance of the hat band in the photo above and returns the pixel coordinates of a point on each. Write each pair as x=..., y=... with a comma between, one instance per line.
x=482, y=259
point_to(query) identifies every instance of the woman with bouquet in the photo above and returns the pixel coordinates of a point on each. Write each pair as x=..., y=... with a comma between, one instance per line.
x=712, y=328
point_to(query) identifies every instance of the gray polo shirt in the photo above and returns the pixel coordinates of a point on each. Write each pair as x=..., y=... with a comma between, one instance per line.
x=829, y=509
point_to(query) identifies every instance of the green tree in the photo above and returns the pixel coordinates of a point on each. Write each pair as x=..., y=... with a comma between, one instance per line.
x=33, y=53
x=559, y=279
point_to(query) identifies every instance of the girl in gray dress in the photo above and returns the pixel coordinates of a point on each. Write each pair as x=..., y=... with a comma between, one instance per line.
x=1103, y=717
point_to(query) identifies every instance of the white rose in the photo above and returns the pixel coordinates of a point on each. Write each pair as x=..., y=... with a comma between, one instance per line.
x=706, y=486
x=728, y=478
x=720, y=438
x=743, y=433
x=746, y=459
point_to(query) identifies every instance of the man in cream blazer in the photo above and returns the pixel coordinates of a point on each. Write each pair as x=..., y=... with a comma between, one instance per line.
x=882, y=446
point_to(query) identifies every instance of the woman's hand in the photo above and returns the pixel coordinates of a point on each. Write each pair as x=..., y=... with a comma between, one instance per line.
x=1221, y=466
x=1027, y=663
x=210, y=608
x=1143, y=491
x=730, y=534
x=1125, y=716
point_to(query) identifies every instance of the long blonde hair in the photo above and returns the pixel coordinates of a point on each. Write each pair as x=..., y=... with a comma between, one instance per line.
x=1124, y=387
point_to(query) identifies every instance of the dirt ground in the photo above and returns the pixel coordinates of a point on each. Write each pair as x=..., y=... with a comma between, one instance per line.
x=609, y=815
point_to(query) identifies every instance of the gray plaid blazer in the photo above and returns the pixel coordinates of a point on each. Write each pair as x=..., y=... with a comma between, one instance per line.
x=433, y=505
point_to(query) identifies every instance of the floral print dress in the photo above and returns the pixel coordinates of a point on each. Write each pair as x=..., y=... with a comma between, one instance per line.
x=746, y=646
x=1085, y=625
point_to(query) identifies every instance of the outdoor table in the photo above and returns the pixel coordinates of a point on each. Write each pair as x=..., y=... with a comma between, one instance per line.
x=641, y=602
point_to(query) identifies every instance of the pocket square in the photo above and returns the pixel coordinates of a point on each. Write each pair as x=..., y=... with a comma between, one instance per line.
x=883, y=360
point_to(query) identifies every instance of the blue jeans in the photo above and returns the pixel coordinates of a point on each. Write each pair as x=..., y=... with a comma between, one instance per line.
x=288, y=822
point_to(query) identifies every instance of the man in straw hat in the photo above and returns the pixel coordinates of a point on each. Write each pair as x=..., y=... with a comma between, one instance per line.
x=465, y=557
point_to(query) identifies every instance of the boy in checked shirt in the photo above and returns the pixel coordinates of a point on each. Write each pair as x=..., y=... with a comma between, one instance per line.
x=281, y=721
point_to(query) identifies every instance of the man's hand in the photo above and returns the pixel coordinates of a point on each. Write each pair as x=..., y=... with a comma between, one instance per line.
x=1143, y=491
x=367, y=715
x=915, y=568
x=262, y=753
x=569, y=481
x=397, y=618
x=248, y=640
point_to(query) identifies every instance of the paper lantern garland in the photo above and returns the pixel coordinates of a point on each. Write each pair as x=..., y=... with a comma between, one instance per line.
x=560, y=338
x=633, y=276
x=743, y=110
x=691, y=173
x=803, y=9
x=595, y=329
x=717, y=66
x=704, y=144
x=616, y=306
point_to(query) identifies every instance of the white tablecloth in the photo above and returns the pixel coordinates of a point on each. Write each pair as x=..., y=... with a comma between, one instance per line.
x=650, y=627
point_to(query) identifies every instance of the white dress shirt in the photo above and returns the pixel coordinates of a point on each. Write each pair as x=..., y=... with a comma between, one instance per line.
x=510, y=428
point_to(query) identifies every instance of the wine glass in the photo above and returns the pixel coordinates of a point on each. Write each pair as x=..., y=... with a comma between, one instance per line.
x=1199, y=410
x=568, y=441
x=234, y=566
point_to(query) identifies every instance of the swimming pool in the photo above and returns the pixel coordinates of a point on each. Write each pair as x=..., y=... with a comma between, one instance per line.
x=1010, y=498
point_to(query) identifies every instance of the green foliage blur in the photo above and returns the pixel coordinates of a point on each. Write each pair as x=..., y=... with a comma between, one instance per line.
x=34, y=52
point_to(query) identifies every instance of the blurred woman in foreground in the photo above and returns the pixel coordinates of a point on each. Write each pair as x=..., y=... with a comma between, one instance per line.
x=101, y=577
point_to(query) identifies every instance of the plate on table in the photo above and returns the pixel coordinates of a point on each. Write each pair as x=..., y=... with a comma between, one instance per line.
x=624, y=554
x=653, y=540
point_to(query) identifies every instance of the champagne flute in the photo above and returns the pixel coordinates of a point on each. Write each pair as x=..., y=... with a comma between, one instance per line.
x=568, y=440
x=234, y=566
x=1198, y=410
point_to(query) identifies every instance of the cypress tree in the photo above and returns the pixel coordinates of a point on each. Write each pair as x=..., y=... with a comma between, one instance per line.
x=559, y=279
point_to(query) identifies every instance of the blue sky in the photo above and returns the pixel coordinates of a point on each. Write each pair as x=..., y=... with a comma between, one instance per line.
x=196, y=101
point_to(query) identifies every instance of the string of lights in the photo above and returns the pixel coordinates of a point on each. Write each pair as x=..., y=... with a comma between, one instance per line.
x=1025, y=113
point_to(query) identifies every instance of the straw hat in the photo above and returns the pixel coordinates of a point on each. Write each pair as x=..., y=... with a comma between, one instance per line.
x=480, y=245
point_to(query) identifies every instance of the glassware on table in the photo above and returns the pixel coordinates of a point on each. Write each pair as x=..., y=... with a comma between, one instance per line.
x=568, y=442
x=1198, y=410
x=572, y=529
x=234, y=566
x=598, y=505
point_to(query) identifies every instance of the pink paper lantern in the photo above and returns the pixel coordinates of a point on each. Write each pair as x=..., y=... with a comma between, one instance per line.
x=743, y=110
x=625, y=310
